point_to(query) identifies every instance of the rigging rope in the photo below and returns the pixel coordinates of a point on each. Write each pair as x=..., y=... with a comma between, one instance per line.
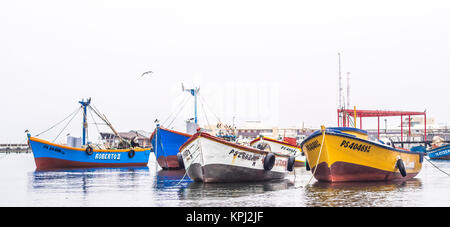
x=318, y=157
x=177, y=113
x=66, y=125
x=436, y=166
x=76, y=111
x=186, y=171
x=182, y=101
x=210, y=109
x=203, y=108
x=98, y=130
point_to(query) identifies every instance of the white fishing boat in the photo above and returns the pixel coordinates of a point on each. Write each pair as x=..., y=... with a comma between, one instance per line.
x=280, y=147
x=208, y=158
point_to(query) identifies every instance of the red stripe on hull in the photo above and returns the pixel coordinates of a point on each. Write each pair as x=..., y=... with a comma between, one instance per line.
x=345, y=172
x=169, y=162
x=299, y=164
x=55, y=163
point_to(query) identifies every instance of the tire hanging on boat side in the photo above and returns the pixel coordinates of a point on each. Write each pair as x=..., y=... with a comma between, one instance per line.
x=307, y=165
x=89, y=150
x=401, y=167
x=180, y=160
x=269, y=161
x=291, y=163
x=131, y=153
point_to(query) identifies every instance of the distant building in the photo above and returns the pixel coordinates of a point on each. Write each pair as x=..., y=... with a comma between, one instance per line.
x=142, y=137
x=252, y=129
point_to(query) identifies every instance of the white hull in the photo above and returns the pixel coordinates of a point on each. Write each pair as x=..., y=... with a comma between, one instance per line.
x=281, y=148
x=208, y=159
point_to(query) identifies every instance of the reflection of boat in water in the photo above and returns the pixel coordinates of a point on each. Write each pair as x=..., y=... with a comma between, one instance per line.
x=360, y=194
x=49, y=155
x=345, y=154
x=75, y=179
x=170, y=178
x=281, y=147
x=211, y=159
x=372, y=186
x=199, y=190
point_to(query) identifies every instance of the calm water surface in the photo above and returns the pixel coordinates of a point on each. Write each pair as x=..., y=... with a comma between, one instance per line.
x=21, y=185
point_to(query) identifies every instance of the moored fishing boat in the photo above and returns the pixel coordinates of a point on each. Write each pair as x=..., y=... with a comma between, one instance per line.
x=280, y=147
x=346, y=154
x=166, y=144
x=440, y=153
x=439, y=149
x=49, y=155
x=209, y=158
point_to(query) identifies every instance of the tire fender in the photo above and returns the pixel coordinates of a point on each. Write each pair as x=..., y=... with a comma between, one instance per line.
x=180, y=160
x=269, y=161
x=131, y=153
x=290, y=163
x=89, y=150
x=401, y=167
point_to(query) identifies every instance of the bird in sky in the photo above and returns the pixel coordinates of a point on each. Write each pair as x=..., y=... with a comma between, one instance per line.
x=145, y=73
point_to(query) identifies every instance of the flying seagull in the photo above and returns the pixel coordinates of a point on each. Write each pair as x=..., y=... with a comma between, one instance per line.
x=145, y=73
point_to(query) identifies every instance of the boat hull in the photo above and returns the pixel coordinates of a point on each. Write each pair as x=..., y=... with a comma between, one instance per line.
x=281, y=147
x=345, y=157
x=211, y=159
x=54, y=156
x=166, y=147
x=440, y=153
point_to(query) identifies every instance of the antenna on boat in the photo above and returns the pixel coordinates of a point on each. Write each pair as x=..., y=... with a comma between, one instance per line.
x=340, y=83
x=193, y=92
x=348, y=90
x=85, y=104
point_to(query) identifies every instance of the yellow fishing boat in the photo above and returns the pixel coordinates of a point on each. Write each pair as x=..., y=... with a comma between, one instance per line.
x=346, y=154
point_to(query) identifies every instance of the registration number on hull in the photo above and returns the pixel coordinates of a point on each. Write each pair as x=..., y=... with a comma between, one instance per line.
x=355, y=146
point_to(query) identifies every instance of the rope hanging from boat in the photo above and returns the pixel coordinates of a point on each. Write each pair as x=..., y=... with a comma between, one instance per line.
x=320, y=152
x=74, y=112
x=436, y=167
x=186, y=171
x=66, y=125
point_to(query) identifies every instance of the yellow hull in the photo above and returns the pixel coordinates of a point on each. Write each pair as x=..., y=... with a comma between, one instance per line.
x=347, y=157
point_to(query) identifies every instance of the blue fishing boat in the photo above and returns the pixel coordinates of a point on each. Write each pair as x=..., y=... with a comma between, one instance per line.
x=167, y=142
x=49, y=155
x=440, y=153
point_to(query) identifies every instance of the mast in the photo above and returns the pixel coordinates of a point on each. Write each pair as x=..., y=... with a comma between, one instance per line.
x=340, y=83
x=194, y=92
x=348, y=90
x=85, y=104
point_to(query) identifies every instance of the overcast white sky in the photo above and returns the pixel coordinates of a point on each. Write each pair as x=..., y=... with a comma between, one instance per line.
x=53, y=53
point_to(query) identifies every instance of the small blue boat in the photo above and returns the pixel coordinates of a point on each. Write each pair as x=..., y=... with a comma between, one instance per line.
x=166, y=145
x=440, y=153
x=48, y=155
x=167, y=142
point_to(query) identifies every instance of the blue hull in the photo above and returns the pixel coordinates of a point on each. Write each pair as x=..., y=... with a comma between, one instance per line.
x=169, y=143
x=54, y=156
x=442, y=153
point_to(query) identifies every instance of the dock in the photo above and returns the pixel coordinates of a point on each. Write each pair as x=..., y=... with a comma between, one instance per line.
x=15, y=148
